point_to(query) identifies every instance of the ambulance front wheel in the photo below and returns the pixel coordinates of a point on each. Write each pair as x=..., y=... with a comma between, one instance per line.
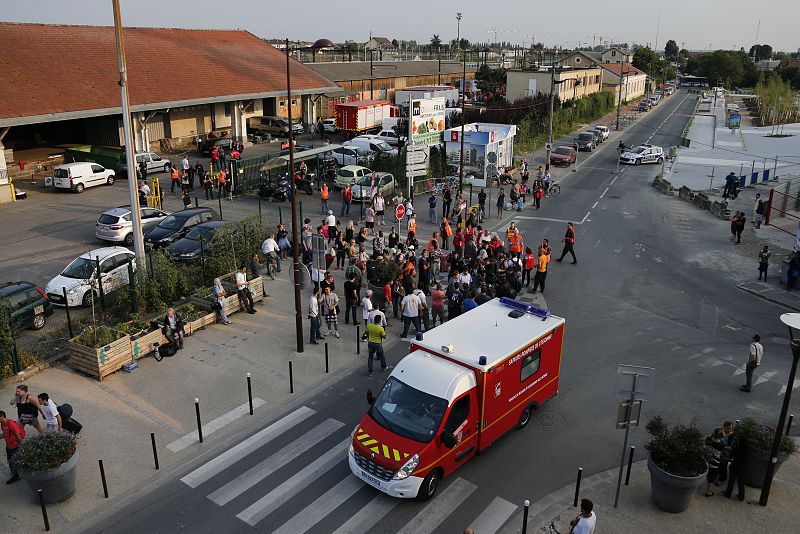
x=429, y=485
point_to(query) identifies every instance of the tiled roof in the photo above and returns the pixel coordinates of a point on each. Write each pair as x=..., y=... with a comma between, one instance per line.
x=50, y=70
x=345, y=71
x=617, y=69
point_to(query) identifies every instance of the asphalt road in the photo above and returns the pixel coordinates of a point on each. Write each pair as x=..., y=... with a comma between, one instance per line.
x=635, y=297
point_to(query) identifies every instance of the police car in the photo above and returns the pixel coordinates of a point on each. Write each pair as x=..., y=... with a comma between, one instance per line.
x=642, y=154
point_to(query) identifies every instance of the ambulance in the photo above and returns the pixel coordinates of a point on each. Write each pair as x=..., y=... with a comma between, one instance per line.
x=463, y=384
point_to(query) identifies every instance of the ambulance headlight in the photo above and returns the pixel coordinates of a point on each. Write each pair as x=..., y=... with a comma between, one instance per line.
x=407, y=468
x=351, y=450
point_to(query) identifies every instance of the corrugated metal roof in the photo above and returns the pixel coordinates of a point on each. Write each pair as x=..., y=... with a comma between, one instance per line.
x=345, y=71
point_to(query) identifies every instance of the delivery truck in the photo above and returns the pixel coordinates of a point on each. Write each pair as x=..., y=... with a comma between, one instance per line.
x=463, y=384
x=362, y=116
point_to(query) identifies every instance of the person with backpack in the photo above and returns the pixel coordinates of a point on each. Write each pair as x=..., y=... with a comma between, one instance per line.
x=13, y=434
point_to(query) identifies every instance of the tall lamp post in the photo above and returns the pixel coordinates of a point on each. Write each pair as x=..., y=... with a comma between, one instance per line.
x=458, y=31
x=792, y=320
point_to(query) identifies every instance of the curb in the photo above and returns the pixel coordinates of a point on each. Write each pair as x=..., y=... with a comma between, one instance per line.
x=763, y=296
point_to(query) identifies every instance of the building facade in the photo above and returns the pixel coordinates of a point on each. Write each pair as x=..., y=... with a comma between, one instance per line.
x=624, y=81
x=571, y=83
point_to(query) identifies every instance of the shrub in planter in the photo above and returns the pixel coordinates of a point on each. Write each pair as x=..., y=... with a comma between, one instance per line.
x=379, y=272
x=760, y=438
x=47, y=462
x=677, y=463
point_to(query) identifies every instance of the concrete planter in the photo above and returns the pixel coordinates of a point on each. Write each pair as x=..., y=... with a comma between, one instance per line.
x=756, y=467
x=672, y=493
x=56, y=484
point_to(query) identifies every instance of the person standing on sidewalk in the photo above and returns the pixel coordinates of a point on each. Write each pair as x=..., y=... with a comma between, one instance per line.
x=411, y=308
x=379, y=204
x=13, y=434
x=375, y=336
x=541, y=271
x=569, y=243
x=366, y=309
x=482, y=203
x=753, y=361
x=726, y=191
x=432, y=208
x=447, y=202
x=330, y=308
x=351, y=289
x=586, y=521
x=763, y=262
x=28, y=408
x=501, y=202
x=758, y=210
x=347, y=199
x=324, y=195
x=313, y=316
x=52, y=419
x=740, y=455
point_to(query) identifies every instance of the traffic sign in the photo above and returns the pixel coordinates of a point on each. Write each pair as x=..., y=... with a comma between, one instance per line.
x=548, y=146
x=624, y=419
x=634, y=382
x=416, y=157
x=400, y=212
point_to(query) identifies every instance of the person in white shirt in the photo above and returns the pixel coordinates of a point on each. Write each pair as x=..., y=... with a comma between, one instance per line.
x=366, y=308
x=51, y=416
x=380, y=205
x=411, y=306
x=378, y=313
x=423, y=309
x=270, y=248
x=185, y=164
x=330, y=219
x=753, y=361
x=313, y=315
x=243, y=290
x=584, y=523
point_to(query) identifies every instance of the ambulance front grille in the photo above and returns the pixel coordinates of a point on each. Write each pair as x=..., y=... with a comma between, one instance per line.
x=373, y=469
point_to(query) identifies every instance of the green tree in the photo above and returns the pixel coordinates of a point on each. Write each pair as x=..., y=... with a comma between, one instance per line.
x=6, y=342
x=646, y=60
x=435, y=41
x=759, y=52
x=671, y=50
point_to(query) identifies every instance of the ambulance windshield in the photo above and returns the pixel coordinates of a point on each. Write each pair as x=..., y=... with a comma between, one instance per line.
x=407, y=411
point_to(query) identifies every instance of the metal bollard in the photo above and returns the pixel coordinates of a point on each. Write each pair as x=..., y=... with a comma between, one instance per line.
x=66, y=309
x=196, y=203
x=789, y=424
x=327, y=369
x=291, y=378
x=199, y=425
x=358, y=339
x=155, y=451
x=44, y=511
x=103, y=478
x=630, y=462
x=527, y=504
x=250, y=393
x=219, y=200
x=577, y=487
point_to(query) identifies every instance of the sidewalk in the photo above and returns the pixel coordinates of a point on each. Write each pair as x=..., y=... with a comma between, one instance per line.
x=636, y=513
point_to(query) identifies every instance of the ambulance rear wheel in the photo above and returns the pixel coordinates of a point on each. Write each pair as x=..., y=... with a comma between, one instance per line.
x=525, y=417
x=429, y=485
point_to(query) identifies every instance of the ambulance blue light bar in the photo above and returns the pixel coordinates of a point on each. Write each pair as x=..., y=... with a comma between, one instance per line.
x=525, y=308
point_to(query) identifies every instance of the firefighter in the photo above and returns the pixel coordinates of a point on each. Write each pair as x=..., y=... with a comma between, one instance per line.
x=569, y=243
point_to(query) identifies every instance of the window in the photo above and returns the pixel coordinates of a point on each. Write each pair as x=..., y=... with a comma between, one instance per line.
x=283, y=103
x=294, y=102
x=227, y=109
x=97, y=168
x=530, y=365
x=458, y=414
x=17, y=300
x=613, y=53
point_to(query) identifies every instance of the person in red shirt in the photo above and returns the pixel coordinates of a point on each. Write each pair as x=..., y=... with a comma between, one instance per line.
x=13, y=434
x=528, y=263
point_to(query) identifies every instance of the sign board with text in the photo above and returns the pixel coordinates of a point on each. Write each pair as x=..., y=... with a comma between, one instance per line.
x=426, y=122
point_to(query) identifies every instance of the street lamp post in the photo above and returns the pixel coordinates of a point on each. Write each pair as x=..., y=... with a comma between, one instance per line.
x=458, y=31
x=792, y=320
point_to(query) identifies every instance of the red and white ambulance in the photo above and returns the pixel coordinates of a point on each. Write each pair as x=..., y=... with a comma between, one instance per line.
x=465, y=384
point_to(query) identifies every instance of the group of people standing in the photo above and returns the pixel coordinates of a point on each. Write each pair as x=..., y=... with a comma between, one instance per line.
x=727, y=460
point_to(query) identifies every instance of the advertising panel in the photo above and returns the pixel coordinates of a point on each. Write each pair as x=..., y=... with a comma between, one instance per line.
x=427, y=121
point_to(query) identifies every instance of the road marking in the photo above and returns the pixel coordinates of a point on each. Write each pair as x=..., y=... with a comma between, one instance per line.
x=595, y=204
x=439, y=508
x=315, y=512
x=527, y=218
x=212, y=426
x=368, y=516
x=231, y=456
x=794, y=386
x=585, y=217
x=614, y=180
x=265, y=468
x=494, y=516
x=604, y=193
x=294, y=485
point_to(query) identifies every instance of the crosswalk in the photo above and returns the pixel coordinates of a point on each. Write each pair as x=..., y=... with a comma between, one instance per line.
x=292, y=477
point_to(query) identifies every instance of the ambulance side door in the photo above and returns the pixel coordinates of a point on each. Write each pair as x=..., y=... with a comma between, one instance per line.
x=462, y=423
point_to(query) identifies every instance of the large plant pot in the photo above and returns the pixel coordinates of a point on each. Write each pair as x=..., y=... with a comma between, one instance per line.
x=756, y=466
x=56, y=484
x=672, y=493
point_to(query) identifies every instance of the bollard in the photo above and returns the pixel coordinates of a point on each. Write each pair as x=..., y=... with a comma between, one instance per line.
x=260, y=220
x=527, y=505
x=280, y=215
x=199, y=426
x=327, y=370
x=250, y=393
x=789, y=424
x=66, y=309
x=44, y=511
x=577, y=487
x=196, y=203
x=291, y=378
x=219, y=200
x=103, y=478
x=630, y=462
x=155, y=451
x=358, y=339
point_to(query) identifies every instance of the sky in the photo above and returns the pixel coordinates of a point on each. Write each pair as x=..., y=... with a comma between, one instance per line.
x=696, y=25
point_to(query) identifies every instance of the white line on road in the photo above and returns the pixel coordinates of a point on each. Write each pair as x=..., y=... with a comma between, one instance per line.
x=315, y=512
x=265, y=468
x=585, y=217
x=212, y=426
x=614, y=180
x=231, y=456
x=294, y=485
x=595, y=204
x=368, y=516
x=438, y=509
x=494, y=516
x=527, y=218
x=604, y=193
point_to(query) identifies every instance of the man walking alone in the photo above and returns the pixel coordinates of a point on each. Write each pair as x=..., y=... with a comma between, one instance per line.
x=753, y=361
x=569, y=243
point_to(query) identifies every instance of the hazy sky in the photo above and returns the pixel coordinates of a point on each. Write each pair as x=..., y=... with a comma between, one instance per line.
x=698, y=24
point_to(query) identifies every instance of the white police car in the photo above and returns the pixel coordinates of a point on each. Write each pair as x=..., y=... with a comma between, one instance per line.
x=642, y=154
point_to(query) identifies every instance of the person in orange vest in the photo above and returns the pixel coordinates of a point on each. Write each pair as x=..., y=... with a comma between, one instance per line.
x=569, y=243
x=433, y=243
x=175, y=177
x=541, y=271
x=412, y=224
x=446, y=233
x=515, y=244
x=545, y=246
x=222, y=181
x=324, y=195
x=528, y=264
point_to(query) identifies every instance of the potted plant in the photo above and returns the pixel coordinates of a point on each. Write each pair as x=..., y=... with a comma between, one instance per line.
x=99, y=351
x=760, y=439
x=195, y=317
x=379, y=272
x=677, y=463
x=47, y=462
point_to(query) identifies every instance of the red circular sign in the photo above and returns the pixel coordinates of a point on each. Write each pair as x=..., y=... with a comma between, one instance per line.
x=400, y=212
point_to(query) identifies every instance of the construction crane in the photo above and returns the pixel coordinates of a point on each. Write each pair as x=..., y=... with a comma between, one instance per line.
x=495, y=31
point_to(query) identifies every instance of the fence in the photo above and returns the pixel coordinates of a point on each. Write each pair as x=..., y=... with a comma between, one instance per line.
x=783, y=207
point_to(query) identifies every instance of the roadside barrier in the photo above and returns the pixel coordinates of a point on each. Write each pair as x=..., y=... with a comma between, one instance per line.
x=686, y=194
x=718, y=210
x=702, y=201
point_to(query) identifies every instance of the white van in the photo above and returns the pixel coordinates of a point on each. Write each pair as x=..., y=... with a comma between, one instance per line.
x=80, y=175
x=372, y=143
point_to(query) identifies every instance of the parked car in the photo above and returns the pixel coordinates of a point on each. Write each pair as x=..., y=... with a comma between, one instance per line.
x=80, y=277
x=80, y=175
x=586, y=141
x=27, y=303
x=350, y=155
x=563, y=156
x=604, y=131
x=155, y=163
x=369, y=143
x=204, y=148
x=329, y=125
x=297, y=148
x=598, y=137
x=177, y=224
x=391, y=137
x=188, y=248
x=116, y=225
x=364, y=191
x=275, y=126
x=642, y=154
x=644, y=106
x=350, y=174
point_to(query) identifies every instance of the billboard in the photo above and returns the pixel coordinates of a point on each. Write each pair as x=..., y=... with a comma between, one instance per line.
x=426, y=121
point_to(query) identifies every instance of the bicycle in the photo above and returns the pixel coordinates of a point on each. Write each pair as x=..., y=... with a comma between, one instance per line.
x=553, y=190
x=270, y=266
x=551, y=528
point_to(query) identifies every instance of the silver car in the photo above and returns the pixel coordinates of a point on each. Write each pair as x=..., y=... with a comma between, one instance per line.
x=115, y=225
x=154, y=162
x=365, y=189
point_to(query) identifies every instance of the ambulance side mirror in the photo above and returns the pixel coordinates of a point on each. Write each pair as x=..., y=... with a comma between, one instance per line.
x=448, y=439
x=370, y=397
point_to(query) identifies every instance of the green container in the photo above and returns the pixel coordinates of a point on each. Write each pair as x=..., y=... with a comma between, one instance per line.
x=108, y=156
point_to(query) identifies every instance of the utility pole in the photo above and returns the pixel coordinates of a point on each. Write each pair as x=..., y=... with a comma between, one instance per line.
x=136, y=214
x=463, y=118
x=458, y=31
x=298, y=318
x=370, y=74
x=621, y=86
x=550, y=117
x=439, y=77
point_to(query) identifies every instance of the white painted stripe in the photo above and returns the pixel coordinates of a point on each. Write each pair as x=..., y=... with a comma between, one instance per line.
x=615, y=179
x=369, y=516
x=319, y=509
x=437, y=510
x=595, y=204
x=494, y=516
x=527, y=218
x=604, y=193
x=263, y=469
x=231, y=456
x=294, y=485
x=212, y=426
x=585, y=217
